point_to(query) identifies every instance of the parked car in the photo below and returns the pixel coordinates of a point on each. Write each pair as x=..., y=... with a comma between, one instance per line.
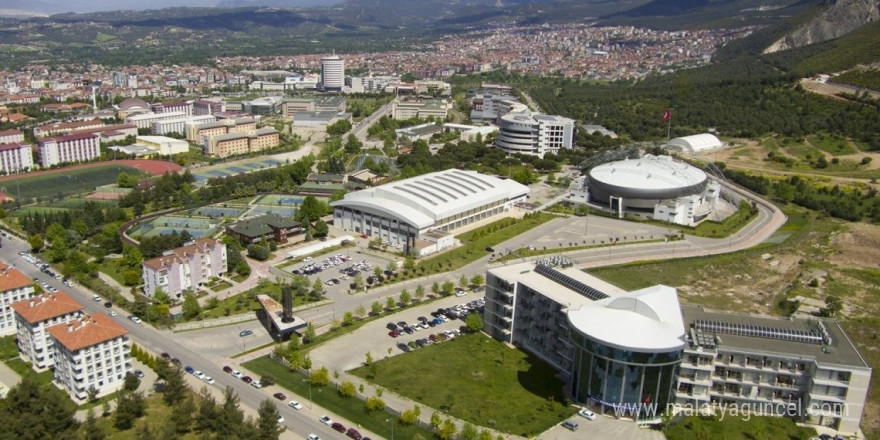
x=280, y=420
x=247, y=379
x=96, y=298
x=279, y=396
x=393, y=333
x=209, y=380
x=391, y=326
x=326, y=420
x=313, y=437
x=587, y=414
x=244, y=333
x=237, y=374
x=353, y=433
x=338, y=427
x=113, y=313
x=256, y=384
x=199, y=374
x=295, y=405
x=138, y=373
x=570, y=425
x=189, y=369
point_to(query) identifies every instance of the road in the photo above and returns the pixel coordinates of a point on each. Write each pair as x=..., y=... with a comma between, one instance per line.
x=163, y=341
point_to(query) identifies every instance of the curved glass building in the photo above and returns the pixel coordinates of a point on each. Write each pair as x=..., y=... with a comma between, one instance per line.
x=627, y=350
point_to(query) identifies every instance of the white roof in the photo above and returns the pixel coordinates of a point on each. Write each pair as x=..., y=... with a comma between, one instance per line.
x=648, y=172
x=647, y=320
x=697, y=142
x=423, y=200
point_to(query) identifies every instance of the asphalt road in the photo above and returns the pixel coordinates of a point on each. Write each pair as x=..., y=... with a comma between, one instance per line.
x=162, y=341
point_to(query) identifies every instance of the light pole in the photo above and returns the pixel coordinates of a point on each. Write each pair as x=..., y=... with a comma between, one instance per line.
x=391, y=421
x=309, y=380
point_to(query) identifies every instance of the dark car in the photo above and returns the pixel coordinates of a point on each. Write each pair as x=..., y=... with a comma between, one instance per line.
x=401, y=324
x=353, y=433
x=247, y=379
x=279, y=396
x=393, y=333
x=489, y=249
x=244, y=333
x=166, y=356
x=403, y=347
x=422, y=319
x=175, y=361
x=391, y=326
x=338, y=427
x=408, y=330
x=189, y=369
x=139, y=373
x=227, y=369
x=108, y=304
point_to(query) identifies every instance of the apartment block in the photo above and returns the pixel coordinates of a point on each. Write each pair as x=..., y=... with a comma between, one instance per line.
x=91, y=352
x=185, y=268
x=11, y=136
x=146, y=120
x=14, y=286
x=33, y=318
x=66, y=128
x=208, y=107
x=78, y=147
x=178, y=125
x=16, y=157
x=232, y=144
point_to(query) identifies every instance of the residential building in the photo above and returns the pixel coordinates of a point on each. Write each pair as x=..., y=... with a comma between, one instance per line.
x=16, y=157
x=332, y=73
x=639, y=354
x=14, y=286
x=11, y=136
x=264, y=228
x=33, y=318
x=178, y=125
x=146, y=120
x=185, y=268
x=67, y=127
x=173, y=107
x=91, y=353
x=534, y=135
x=78, y=147
x=235, y=143
x=204, y=107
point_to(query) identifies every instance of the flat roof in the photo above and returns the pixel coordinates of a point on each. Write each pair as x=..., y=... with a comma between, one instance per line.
x=525, y=273
x=841, y=351
x=274, y=311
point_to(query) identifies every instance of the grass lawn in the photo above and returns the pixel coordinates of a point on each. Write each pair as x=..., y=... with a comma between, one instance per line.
x=350, y=408
x=220, y=285
x=157, y=414
x=736, y=428
x=8, y=348
x=480, y=380
x=112, y=267
x=24, y=369
x=833, y=145
x=476, y=241
x=728, y=226
x=246, y=302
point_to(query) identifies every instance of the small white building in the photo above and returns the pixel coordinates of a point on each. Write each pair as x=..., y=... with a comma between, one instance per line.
x=91, y=352
x=695, y=144
x=14, y=286
x=165, y=146
x=33, y=318
x=178, y=125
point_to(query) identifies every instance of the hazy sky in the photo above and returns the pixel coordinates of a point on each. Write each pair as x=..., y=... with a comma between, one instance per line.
x=58, y=6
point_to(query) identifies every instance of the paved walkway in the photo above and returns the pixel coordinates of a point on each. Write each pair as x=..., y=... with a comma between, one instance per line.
x=124, y=291
x=8, y=379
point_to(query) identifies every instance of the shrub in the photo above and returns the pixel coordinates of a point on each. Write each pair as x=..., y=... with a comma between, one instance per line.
x=375, y=404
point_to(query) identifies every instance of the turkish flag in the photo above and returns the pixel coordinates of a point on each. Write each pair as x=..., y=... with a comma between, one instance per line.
x=668, y=115
x=648, y=399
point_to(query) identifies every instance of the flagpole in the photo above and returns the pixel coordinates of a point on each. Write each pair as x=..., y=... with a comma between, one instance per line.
x=669, y=125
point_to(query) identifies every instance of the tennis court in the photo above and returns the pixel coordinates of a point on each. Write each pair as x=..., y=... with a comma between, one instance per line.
x=280, y=200
x=166, y=224
x=216, y=211
x=281, y=210
x=233, y=168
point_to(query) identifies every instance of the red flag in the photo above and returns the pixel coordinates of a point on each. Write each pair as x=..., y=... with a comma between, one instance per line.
x=668, y=115
x=648, y=399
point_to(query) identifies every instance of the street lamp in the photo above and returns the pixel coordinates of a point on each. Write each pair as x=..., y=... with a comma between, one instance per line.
x=309, y=380
x=391, y=421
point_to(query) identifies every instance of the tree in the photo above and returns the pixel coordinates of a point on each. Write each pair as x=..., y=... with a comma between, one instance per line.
x=320, y=377
x=347, y=389
x=90, y=428
x=463, y=281
x=409, y=263
x=267, y=379
x=268, y=427
x=347, y=319
x=376, y=308
x=375, y=243
x=448, y=287
x=230, y=418
x=206, y=418
x=318, y=287
x=310, y=333
x=405, y=297
x=474, y=322
x=447, y=430
x=258, y=252
x=833, y=306
x=420, y=292
x=31, y=411
x=321, y=228
x=35, y=242
x=182, y=415
x=389, y=303
x=360, y=311
x=130, y=406
x=469, y=432
x=131, y=382
x=375, y=403
x=190, y=307
x=175, y=387
x=435, y=288
x=358, y=281
x=477, y=280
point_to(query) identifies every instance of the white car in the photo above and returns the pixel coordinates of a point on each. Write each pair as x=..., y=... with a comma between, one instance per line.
x=113, y=313
x=295, y=405
x=587, y=414
x=237, y=374
x=96, y=298
x=314, y=437
x=209, y=380
x=256, y=384
x=136, y=320
x=326, y=420
x=199, y=374
x=280, y=420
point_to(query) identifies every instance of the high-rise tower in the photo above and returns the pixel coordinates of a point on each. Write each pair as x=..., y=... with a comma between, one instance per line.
x=332, y=73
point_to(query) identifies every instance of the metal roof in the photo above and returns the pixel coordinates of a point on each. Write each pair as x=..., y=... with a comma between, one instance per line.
x=648, y=173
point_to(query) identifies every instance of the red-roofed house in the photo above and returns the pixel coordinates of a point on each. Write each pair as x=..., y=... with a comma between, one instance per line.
x=10, y=136
x=14, y=286
x=185, y=268
x=77, y=147
x=34, y=316
x=91, y=352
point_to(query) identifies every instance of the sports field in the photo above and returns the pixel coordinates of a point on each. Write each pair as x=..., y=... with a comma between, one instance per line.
x=234, y=168
x=166, y=224
x=65, y=181
x=280, y=200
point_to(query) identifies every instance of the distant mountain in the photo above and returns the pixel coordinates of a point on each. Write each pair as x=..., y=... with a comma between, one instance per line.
x=49, y=7
x=837, y=19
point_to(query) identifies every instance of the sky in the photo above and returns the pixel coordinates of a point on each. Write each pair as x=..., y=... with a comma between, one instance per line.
x=48, y=7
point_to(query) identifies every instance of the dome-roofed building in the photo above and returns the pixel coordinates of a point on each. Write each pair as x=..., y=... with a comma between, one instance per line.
x=132, y=106
x=672, y=190
x=695, y=144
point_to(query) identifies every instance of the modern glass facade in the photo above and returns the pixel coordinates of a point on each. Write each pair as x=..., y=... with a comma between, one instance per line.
x=621, y=379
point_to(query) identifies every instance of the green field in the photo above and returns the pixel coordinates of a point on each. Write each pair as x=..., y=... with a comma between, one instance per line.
x=65, y=182
x=833, y=145
x=481, y=381
x=737, y=428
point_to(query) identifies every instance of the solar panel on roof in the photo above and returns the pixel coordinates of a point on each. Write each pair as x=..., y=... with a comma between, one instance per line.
x=569, y=282
x=737, y=329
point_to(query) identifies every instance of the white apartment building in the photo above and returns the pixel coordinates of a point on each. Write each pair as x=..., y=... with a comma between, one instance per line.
x=11, y=136
x=33, y=318
x=78, y=147
x=535, y=135
x=91, y=352
x=332, y=73
x=146, y=120
x=14, y=286
x=184, y=268
x=16, y=157
x=178, y=125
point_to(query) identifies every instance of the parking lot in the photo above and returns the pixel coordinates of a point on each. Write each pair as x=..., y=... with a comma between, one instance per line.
x=375, y=337
x=601, y=427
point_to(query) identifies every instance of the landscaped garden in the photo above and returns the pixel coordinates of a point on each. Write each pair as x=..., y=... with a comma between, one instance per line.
x=480, y=380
